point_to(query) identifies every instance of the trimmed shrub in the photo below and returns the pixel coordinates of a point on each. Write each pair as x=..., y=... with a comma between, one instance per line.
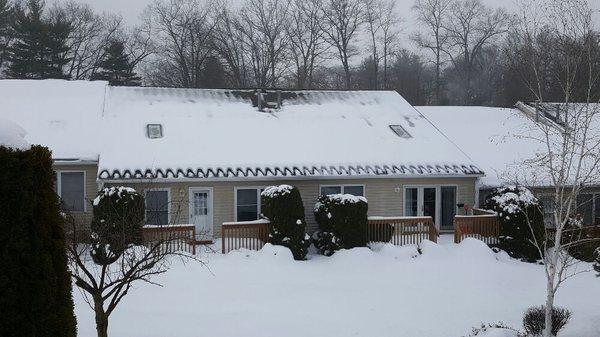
x=35, y=285
x=282, y=205
x=345, y=216
x=326, y=242
x=514, y=206
x=534, y=320
x=116, y=224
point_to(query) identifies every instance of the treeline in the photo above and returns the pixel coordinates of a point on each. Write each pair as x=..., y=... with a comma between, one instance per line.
x=466, y=53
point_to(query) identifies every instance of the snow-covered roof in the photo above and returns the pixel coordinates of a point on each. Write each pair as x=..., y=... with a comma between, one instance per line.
x=219, y=133
x=62, y=115
x=507, y=143
x=12, y=135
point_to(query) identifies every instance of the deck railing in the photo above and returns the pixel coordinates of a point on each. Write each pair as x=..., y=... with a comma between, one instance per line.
x=482, y=227
x=401, y=230
x=244, y=234
x=174, y=238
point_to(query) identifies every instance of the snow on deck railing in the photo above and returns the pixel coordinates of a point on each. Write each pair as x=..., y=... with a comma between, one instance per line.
x=244, y=234
x=401, y=230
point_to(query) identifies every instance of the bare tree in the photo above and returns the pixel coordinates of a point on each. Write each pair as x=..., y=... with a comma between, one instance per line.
x=342, y=19
x=182, y=31
x=264, y=24
x=307, y=45
x=381, y=21
x=228, y=43
x=106, y=264
x=569, y=143
x=471, y=26
x=432, y=15
x=90, y=34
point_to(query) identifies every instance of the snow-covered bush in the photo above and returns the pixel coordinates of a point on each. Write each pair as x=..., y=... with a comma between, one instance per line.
x=534, y=320
x=35, y=283
x=326, y=242
x=345, y=216
x=517, y=208
x=282, y=205
x=117, y=223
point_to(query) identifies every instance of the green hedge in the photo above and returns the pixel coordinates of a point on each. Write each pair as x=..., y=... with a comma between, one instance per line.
x=117, y=223
x=345, y=216
x=35, y=286
x=283, y=206
x=516, y=206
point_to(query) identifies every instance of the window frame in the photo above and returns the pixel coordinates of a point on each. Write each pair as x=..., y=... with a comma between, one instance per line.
x=59, y=186
x=235, y=199
x=158, y=189
x=438, y=200
x=343, y=188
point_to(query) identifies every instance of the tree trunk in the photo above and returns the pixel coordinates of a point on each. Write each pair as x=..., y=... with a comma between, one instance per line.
x=101, y=318
x=549, y=303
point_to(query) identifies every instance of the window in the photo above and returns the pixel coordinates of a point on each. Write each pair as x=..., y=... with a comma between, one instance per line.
x=154, y=130
x=547, y=203
x=247, y=206
x=157, y=207
x=400, y=131
x=70, y=187
x=585, y=208
x=357, y=190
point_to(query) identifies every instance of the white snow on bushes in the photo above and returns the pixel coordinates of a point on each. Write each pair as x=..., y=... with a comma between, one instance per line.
x=386, y=291
x=275, y=191
x=346, y=198
x=110, y=191
x=12, y=135
x=512, y=201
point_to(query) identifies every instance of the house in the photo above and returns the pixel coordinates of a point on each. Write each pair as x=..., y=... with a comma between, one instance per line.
x=499, y=140
x=202, y=156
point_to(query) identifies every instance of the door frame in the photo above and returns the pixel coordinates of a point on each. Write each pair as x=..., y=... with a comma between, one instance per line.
x=438, y=200
x=210, y=213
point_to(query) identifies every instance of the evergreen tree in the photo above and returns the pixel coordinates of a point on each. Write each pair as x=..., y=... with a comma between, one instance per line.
x=213, y=73
x=115, y=66
x=6, y=33
x=39, y=50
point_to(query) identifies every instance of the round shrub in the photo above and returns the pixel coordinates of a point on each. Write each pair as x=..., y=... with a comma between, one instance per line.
x=326, y=242
x=117, y=223
x=517, y=207
x=534, y=320
x=345, y=216
x=282, y=205
x=35, y=295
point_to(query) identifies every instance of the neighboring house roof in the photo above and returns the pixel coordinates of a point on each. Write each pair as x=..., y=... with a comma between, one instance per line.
x=506, y=143
x=63, y=115
x=487, y=135
x=221, y=133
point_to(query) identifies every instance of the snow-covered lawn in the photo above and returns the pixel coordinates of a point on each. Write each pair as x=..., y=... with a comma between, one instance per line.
x=388, y=291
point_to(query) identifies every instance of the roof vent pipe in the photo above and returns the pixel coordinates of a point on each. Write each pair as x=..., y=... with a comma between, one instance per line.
x=259, y=100
x=278, y=99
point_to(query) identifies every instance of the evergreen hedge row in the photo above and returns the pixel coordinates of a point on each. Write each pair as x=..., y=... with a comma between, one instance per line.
x=283, y=206
x=35, y=286
x=345, y=216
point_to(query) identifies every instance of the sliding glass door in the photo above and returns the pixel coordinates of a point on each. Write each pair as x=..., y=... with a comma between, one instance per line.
x=438, y=202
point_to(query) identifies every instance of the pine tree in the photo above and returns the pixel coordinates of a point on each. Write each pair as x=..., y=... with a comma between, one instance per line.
x=6, y=33
x=40, y=46
x=115, y=66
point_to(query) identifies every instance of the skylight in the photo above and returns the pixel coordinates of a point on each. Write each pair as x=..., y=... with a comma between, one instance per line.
x=154, y=131
x=400, y=131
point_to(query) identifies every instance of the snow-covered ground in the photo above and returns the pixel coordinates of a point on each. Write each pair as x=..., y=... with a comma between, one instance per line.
x=387, y=291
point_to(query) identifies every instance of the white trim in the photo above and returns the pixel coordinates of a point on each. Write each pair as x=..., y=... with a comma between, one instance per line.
x=168, y=189
x=342, y=187
x=210, y=204
x=235, y=205
x=288, y=178
x=59, y=186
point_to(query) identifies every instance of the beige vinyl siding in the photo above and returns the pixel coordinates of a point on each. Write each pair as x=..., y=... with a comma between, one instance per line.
x=83, y=219
x=385, y=195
